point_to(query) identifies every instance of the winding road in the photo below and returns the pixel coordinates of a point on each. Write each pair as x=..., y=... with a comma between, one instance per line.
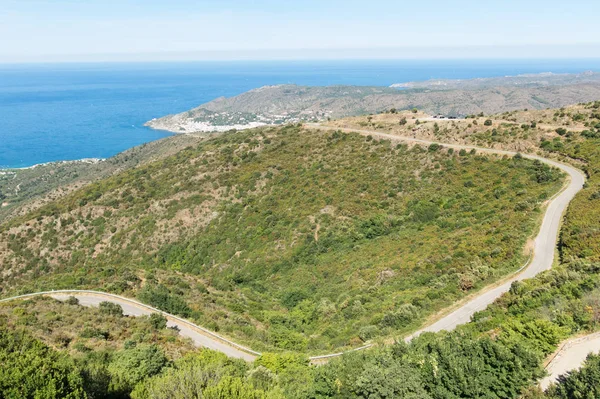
x=571, y=355
x=542, y=259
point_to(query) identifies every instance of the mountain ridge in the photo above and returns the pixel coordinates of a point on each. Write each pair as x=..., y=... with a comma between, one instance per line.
x=288, y=103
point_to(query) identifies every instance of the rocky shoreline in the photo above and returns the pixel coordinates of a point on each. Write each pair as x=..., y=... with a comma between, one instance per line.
x=4, y=171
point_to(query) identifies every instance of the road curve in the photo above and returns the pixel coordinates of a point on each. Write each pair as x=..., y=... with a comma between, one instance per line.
x=542, y=259
x=545, y=241
x=570, y=356
x=200, y=336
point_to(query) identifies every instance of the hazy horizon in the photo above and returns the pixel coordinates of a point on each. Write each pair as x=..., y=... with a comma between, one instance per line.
x=186, y=30
x=499, y=53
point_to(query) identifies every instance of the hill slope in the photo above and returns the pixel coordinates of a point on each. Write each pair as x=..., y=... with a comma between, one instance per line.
x=23, y=190
x=286, y=237
x=498, y=354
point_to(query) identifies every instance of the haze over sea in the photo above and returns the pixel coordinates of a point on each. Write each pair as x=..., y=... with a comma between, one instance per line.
x=53, y=112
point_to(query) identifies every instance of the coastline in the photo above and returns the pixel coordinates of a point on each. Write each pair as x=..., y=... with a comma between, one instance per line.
x=37, y=165
x=194, y=127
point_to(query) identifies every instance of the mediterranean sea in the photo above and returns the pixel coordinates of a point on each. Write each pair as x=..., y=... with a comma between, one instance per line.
x=53, y=112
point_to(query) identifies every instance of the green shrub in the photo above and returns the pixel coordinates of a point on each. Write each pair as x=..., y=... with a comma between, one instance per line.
x=30, y=369
x=131, y=366
x=158, y=321
x=111, y=308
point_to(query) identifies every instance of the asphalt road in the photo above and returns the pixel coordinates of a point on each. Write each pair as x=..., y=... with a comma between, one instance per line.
x=544, y=244
x=200, y=336
x=571, y=356
x=542, y=259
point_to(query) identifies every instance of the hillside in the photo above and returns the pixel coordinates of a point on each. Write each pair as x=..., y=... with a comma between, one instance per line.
x=23, y=190
x=571, y=134
x=288, y=238
x=498, y=354
x=290, y=103
x=77, y=329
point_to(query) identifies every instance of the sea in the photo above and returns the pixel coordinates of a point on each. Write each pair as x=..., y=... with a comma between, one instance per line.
x=56, y=112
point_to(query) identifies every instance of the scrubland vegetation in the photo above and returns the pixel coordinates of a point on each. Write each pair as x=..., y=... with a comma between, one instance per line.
x=289, y=239
x=79, y=329
x=274, y=270
x=23, y=190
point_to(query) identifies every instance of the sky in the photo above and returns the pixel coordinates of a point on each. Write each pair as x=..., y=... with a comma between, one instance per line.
x=141, y=30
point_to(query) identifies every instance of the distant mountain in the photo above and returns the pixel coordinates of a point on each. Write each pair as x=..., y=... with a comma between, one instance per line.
x=525, y=80
x=281, y=104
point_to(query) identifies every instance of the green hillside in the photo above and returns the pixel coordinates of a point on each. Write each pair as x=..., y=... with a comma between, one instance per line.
x=22, y=190
x=497, y=355
x=287, y=238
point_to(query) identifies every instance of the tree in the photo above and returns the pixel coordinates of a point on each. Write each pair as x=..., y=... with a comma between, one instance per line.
x=31, y=370
x=434, y=147
x=131, y=366
x=72, y=301
x=488, y=122
x=159, y=296
x=209, y=375
x=389, y=380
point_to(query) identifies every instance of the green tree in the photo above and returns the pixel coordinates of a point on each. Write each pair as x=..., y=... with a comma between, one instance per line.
x=31, y=370
x=386, y=380
x=209, y=375
x=131, y=366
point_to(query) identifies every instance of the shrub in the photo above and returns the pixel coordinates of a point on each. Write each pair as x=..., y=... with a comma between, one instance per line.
x=30, y=369
x=111, y=308
x=91, y=332
x=292, y=298
x=401, y=317
x=160, y=297
x=131, y=366
x=434, y=147
x=581, y=383
x=367, y=332
x=72, y=301
x=158, y=321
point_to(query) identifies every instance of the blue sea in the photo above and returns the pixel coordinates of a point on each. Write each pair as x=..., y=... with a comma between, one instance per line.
x=52, y=112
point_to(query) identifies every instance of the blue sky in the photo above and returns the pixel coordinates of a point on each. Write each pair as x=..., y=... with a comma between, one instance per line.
x=63, y=30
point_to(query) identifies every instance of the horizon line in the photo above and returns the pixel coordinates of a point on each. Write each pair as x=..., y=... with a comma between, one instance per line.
x=581, y=51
